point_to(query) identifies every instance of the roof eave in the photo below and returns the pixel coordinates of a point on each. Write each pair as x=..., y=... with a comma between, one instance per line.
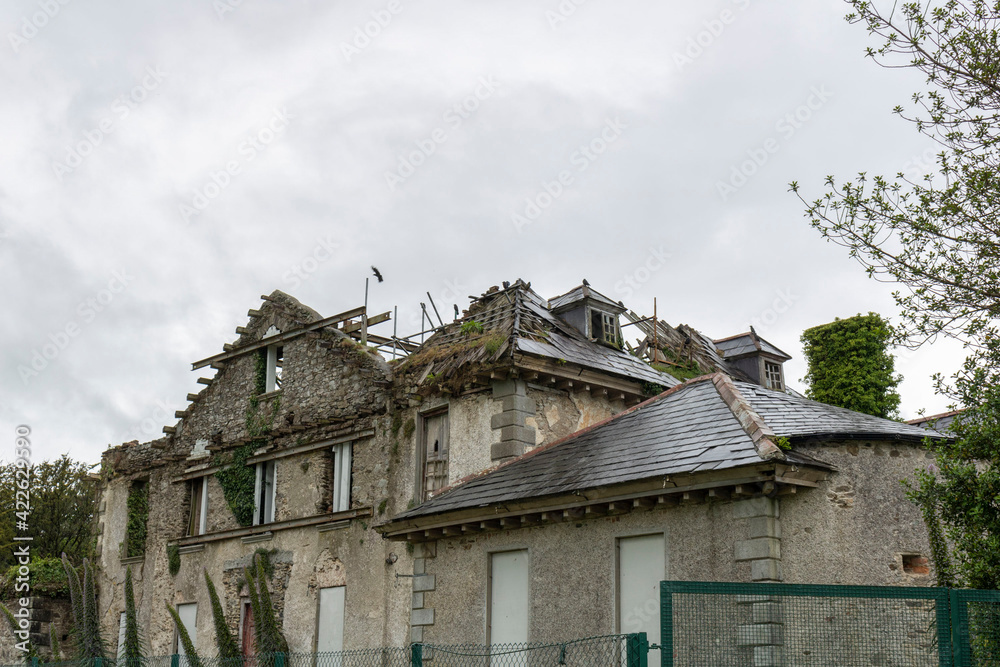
x=661, y=491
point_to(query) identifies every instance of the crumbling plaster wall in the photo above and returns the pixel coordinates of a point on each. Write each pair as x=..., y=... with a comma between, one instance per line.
x=305, y=558
x=853, y=528
x=573, y=569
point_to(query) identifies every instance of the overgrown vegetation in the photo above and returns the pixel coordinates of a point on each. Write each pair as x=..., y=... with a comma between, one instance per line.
x=471, y=327
x=224, y=640
x=136, y=527
x=132, y=650
x=681, y=372
x=173, y=559
x=850, y=365
x=409, y=427
x=46, y=576
x=62, y=509
x=936, y=236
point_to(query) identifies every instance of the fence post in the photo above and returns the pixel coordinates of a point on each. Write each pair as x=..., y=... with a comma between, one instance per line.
x=34, y=661
x=416, y=655
x=98, y=662
x=636, y=650
x=279, y=660
x=958, y=634
x=666, y=625
x=175, y=660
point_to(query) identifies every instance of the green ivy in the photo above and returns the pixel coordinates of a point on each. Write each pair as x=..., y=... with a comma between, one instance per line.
x=138, y=515
x=173, y=559
x=850, y=366
x=409, y=428
x=651, y=388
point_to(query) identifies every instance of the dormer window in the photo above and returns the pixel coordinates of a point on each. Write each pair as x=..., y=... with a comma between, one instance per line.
x=772, y=376
x=604, y=327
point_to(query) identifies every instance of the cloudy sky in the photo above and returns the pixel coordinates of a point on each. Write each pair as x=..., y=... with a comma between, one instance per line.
x=166, y=163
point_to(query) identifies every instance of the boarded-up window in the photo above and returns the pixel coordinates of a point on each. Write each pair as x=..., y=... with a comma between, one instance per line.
x=434, y=443
x=508, y=597
x=330, y=624
x=189, y=616
x=641, y=567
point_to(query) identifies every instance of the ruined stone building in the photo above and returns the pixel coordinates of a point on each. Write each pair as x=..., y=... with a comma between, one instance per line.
x=523, y=475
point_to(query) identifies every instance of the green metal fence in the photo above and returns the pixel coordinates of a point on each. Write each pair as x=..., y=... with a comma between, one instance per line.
x=606, y=651
x=766, y=625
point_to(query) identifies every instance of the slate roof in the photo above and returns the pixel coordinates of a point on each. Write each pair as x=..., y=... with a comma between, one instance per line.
x=580, y=293
x=747, y=343
x=795, y=417
x=938, y=422
x=527, y=326
x=687, y=429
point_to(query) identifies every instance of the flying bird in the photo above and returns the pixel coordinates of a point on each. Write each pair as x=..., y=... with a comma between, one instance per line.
x=377, y=273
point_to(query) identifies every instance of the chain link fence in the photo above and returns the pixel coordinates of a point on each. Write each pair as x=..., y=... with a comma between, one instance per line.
x=604, y=651
x=771, y=625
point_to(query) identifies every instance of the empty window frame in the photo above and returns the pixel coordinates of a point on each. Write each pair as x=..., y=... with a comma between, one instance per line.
x=263, y=511
x=330, y=620
x=507, y=603
x=641, y=567
x=341, y=501
x=275, y=360
x=198, y=507
x=772, y=376
x=433, y=448
x=188, y=614
x=604, y=327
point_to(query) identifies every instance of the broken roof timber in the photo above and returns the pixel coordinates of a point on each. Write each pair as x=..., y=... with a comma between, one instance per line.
x=271, y=340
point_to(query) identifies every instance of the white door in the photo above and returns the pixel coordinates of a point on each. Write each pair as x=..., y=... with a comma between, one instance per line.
x=641, y=568
x=189, y=616
x=509, y=597
x=330, y=626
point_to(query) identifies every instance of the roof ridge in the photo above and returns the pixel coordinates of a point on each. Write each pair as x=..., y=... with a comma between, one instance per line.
x=761, y=434
x=486, y=471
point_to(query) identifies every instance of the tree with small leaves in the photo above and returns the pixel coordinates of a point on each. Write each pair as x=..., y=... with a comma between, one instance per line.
x=937, y=236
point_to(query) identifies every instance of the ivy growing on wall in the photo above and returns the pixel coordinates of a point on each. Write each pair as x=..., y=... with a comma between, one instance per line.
x=850, y=365
x=236, y=477
x=138, y=515
x=173, y=559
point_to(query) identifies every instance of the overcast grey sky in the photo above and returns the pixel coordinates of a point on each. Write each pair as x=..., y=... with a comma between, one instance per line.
x=166, y=163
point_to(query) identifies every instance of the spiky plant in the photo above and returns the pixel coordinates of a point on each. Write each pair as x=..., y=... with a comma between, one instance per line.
x=89, y=632
x=54, y=643
x=277, y=638
x=132, y=646
x=189, y=651
x=224, y=640
x=75, y=596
